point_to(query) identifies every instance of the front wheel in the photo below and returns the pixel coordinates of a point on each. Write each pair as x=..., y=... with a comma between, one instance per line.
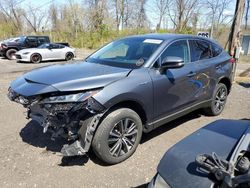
x=118, y=136
x=219, y=100
x=36, y=58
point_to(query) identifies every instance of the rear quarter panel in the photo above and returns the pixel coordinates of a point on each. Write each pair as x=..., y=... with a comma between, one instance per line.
x=220, y=68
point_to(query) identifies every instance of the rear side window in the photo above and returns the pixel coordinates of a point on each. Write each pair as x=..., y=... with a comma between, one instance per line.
x=216, y=50
x=200, y=50
x=31, y=42
x=54, y=46
x=177, y=49
x=61, y=46
x=41, y=40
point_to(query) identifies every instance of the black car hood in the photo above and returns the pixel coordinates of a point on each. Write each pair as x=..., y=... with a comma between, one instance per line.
x=68, y=77
x=12, y=43
x=178, y=167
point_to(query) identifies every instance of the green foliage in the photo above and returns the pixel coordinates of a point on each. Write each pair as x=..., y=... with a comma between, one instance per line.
x=6, y=30
x=94, y=39
x=162, y=31
x=187, y=30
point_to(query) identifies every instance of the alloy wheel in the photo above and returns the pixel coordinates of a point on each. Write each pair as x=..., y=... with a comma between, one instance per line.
x=36, y=58
x=122, y=137
x=220, y=99
x=69, y=56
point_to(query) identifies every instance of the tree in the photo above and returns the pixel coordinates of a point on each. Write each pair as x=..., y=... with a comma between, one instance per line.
x=247, y=11
x=53, y=14
x=217, y=9
x=161, y=7
x=119, y=13
x=12, y=12
x=184, y=11
x=34, y=17
x=141, y=15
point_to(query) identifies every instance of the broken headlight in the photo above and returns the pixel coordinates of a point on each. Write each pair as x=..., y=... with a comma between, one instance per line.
x=78, y=97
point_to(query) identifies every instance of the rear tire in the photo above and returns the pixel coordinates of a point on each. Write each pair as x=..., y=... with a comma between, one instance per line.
x=69, y=56
x=10, y=54
x=118, y=136
x=218, y=102
x=35, y=58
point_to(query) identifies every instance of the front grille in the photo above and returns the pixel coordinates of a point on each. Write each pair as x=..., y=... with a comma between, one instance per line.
x=18, y=56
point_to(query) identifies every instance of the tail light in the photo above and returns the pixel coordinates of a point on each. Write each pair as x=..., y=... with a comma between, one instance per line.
x=232, y=60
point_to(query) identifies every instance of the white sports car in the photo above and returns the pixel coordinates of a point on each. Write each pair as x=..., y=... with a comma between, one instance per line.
x=46, y=52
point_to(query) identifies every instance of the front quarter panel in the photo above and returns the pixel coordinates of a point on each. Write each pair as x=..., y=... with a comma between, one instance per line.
x=137, y=87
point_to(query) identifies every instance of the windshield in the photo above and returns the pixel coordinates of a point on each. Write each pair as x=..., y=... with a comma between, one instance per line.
x=22, y=39
x=129, y=52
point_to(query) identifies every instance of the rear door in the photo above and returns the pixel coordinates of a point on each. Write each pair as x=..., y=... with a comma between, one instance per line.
x=41, y=40
x=31, y=42
x=173, y=89
x=206, y=64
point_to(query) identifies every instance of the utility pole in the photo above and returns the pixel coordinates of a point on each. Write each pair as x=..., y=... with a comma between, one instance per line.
x=247, y=10
x=233, y=38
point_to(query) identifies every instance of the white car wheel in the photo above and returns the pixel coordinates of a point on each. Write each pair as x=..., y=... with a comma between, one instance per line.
x=35, y=58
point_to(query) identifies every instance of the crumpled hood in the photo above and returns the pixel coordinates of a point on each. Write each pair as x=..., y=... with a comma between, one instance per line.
x=72, y=77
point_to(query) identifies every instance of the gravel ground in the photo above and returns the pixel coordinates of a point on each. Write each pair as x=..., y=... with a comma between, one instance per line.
x=30, y=159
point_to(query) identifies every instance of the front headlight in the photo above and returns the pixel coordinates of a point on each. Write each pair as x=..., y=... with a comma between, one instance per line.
x=26, y=53
x=158, y=182
x=78, y=97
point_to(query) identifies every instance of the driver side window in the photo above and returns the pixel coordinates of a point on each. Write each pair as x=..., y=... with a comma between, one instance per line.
x=177, y=49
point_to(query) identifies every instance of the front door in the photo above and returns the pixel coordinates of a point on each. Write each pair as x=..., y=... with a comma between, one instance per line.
x=173, y=88
x=54, y=52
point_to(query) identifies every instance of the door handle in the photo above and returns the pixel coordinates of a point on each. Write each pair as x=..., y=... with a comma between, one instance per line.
x=191, y=74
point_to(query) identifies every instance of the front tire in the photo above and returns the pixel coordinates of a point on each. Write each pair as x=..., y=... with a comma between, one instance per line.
x=35, y=58
x=10, y=54
x=118, y=136
x=219, y=100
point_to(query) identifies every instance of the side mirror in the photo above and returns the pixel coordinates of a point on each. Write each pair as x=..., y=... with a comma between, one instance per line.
x=172, y=62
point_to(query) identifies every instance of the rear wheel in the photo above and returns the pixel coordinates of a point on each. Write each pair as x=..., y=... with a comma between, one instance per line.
x=69, y=56
x=35, y=58
x=11, y=54
x=118, y=136
x=219, y=100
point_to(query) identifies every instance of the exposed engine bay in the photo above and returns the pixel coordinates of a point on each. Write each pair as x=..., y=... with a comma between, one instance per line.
x=74, y=117
x=227, y=174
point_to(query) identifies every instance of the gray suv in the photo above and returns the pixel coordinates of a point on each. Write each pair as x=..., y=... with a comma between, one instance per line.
x=128, y=87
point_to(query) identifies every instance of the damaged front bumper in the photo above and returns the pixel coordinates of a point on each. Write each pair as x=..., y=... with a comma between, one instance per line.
x=75, y=121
